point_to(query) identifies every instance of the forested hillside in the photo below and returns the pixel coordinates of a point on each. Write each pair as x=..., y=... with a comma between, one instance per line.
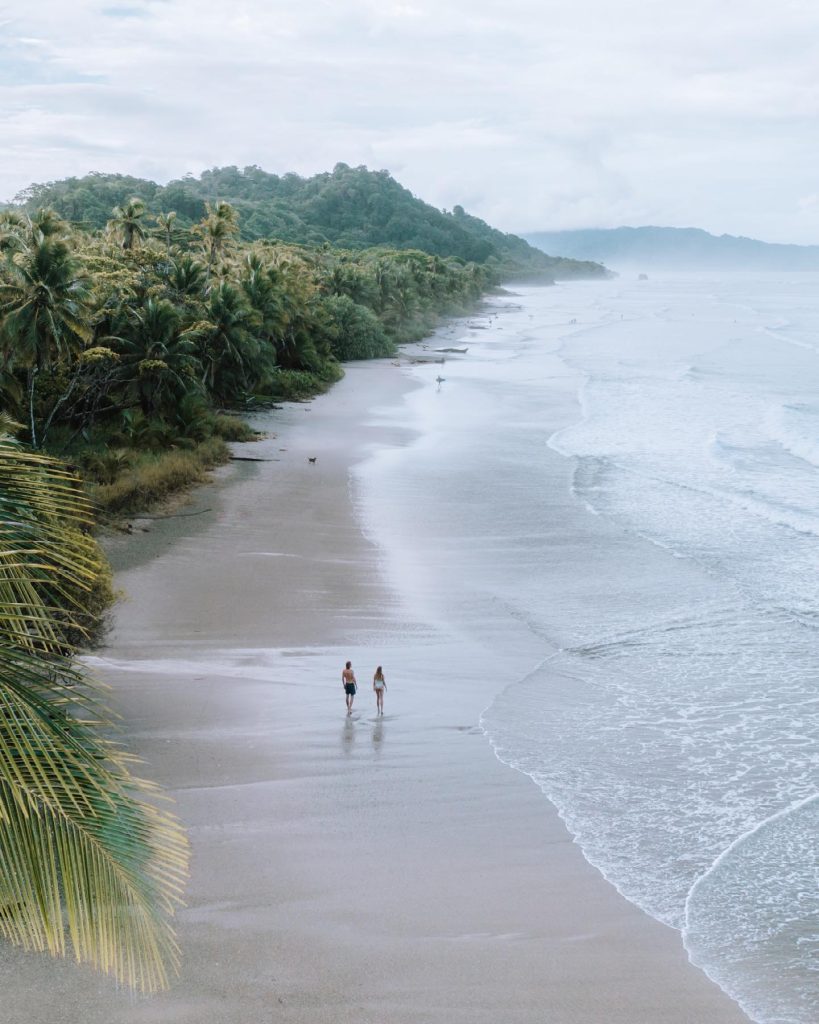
x=350, y=208
x=119, y=347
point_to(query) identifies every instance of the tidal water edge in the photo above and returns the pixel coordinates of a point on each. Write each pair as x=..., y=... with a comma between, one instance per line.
x=618, y=485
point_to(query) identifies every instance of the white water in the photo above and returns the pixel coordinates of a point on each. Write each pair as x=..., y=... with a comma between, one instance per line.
x=620, y=480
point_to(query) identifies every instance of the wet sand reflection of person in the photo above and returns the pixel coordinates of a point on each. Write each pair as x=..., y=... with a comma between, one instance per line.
x=348, y=736
x=378, y=736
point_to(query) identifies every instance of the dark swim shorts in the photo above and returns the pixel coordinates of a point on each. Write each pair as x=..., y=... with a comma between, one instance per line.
x=349, y=689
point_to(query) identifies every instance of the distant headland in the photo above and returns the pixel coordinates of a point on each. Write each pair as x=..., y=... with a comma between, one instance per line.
x=660, y=248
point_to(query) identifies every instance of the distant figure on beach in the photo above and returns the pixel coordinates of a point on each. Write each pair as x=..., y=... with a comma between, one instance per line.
x=348, y=682
x=379, y=685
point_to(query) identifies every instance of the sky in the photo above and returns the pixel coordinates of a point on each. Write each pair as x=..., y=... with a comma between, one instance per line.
x=533, y=114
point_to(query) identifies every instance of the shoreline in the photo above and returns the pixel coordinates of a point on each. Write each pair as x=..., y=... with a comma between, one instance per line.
x=365, y=870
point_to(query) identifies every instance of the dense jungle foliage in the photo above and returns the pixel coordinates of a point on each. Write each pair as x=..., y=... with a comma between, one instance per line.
x=350, y=208
x=123, y=345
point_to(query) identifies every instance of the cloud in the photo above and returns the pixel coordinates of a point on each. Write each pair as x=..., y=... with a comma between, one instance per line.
x=532, y=113
x=124, y=12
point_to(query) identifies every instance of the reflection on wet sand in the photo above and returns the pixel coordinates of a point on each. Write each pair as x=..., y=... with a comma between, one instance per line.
x=378, y=734
x=348, y=736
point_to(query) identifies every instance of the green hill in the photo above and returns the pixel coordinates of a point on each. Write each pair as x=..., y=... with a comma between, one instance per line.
x=348, y=208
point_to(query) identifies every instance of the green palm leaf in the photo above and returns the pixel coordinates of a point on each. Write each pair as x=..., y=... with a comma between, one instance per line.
x=90, y=864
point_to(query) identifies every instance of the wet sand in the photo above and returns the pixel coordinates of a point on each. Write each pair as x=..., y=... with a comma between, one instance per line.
x=377, y=871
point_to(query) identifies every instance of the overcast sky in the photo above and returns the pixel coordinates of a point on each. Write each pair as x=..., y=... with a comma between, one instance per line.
x=533, y=114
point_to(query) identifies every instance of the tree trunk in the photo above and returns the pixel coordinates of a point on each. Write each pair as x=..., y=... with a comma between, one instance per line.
x=32, y=377
x=64, y=397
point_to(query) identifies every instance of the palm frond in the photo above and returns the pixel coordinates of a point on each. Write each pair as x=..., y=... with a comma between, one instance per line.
x=89, y=862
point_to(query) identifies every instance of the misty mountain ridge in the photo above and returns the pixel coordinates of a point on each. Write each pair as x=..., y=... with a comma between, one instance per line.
x=661, y=248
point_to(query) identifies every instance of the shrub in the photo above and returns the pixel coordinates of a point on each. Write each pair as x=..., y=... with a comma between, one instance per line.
x=104, y=467
x=297, y=385
x=231, y=428
x=155, y=477
x=358, y=334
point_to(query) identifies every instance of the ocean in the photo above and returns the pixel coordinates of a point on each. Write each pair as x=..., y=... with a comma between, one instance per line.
x=615, y=490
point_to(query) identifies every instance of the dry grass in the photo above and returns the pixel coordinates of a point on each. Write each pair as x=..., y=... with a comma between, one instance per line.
x=154, y=477
x=231, y=428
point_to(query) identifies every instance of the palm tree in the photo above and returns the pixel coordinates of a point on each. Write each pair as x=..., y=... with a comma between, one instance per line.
x=44, y=305
x=49, y=223
x=13, y=227
x=226, y=344
x=344, y=279
x=216, y=230
x=88, y=864
x=126, y=223
x=187, y=276
x=165, y=225
x=262, y=287
x=158, y=361
x=383, y=275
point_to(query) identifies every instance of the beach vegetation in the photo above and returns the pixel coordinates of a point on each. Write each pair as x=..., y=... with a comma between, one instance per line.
x=127, y=340
x=154, y=475
x=130, y=312
x=127, y=223
x=46, y=318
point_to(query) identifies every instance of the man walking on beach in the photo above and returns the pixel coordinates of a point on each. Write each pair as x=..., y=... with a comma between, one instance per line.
x=348, y=682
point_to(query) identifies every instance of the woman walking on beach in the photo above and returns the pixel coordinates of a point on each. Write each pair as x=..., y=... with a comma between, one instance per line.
x=348, y=682
x=379, y=685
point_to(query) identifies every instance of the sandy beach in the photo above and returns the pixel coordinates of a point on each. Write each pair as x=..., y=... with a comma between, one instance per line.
x=376, y=871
